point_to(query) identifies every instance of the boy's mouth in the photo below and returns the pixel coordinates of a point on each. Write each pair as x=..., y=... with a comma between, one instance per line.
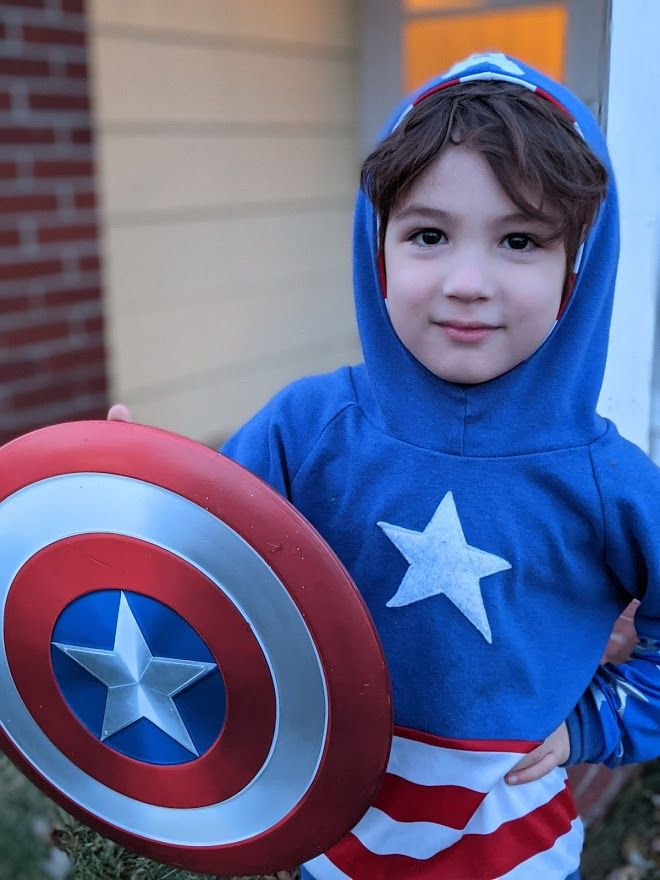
x=460, y=332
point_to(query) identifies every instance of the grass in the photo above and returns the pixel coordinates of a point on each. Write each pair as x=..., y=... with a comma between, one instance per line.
x=26, y=822
x=34, y=833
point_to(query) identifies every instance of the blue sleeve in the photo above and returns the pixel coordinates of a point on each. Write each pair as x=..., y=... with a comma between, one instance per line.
x=617, y=721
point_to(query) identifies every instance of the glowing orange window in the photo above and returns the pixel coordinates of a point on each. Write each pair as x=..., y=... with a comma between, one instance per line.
x=436, y=33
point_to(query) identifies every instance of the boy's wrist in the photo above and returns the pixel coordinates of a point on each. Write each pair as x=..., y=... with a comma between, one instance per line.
x=574, y=739
x=585, y=733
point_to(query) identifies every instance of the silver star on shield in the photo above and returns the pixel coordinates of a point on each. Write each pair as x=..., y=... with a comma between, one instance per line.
x=139, y=684
x=441, y=561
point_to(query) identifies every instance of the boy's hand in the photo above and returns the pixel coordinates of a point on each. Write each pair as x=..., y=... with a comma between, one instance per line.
x=119, y=412
x=623, y=637
x=550, y=754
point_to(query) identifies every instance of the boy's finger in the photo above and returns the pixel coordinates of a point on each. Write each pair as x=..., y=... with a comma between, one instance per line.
x=530, y=758
x=529, y=774
x=623, y=637
x=119, y=412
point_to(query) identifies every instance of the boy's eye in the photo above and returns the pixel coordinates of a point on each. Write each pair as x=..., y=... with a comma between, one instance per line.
x=427, y=237
x=518, y=241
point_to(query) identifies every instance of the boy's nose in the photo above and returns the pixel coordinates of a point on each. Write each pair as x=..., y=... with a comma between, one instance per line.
x=467, y=279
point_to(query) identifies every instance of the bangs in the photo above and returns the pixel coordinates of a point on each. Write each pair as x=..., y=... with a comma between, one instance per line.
x=542, y=164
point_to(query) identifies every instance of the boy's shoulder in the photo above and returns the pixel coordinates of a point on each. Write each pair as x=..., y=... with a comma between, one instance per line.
x=628, y=482
x=275, y=441
x=314, y=400
x=620, y=466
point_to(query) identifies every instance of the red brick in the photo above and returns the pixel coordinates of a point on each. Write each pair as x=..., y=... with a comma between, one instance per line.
x=95, y=385
x=21, y=134
x=94, y=412
x=28, y=203
x=17, y=369
x=85, y=200
x=59, y=102
x=5, y=101
x=51, y=390
x=23, y=66
x=9, y=238
x=63, y=168
x=34, y=4
x=37, y=333
x=73, y=6
x=78, y=357
x=89, y=264
x=46, y=394
x=61, y=36
x=94, y=325
x=34, y=269
x=81, y=135
x=7, y=170
x=70, y=297
x=76, y=70
x=9, y=304
x=48, y=234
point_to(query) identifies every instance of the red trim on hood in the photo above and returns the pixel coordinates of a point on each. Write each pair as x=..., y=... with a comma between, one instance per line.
x=566, y=296
x=382, y=277
x=438, y=88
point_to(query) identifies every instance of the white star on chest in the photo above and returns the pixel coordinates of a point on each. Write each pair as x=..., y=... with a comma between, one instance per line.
x=443, y=563
x=139, y=684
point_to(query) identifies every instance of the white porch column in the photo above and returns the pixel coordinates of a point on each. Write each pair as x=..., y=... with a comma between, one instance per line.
x=633, y=134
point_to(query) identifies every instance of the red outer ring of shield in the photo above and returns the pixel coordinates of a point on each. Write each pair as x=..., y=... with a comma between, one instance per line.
x=63, y=571
x=360, y=721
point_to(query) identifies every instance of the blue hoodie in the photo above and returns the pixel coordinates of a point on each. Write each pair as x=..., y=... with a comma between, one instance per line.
x=496, y=531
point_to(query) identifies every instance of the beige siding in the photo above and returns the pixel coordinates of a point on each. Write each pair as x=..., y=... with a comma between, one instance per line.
x=314, y=23
x=182, y=172
x=163, y=81
x=227, y=156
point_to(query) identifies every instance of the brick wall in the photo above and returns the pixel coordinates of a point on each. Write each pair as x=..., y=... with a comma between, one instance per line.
x=52, y=359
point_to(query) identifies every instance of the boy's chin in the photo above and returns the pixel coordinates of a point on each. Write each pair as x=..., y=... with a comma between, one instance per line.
x=472, y=376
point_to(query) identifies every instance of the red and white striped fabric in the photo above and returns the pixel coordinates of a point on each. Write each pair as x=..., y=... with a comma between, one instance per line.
x=444, y=812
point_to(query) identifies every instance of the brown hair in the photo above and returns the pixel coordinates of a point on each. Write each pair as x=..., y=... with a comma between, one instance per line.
x=541, y=162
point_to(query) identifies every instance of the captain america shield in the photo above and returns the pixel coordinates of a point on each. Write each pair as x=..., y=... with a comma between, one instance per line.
x=186, y=665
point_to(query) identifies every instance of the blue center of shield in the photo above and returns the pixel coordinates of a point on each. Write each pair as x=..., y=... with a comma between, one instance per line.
x=138, y=677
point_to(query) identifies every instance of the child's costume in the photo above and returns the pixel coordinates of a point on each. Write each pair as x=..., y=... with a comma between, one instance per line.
x=495, y=531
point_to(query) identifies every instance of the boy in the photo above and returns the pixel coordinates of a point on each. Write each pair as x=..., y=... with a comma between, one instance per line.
x=494, y=523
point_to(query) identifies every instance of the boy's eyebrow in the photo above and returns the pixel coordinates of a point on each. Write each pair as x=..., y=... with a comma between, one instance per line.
x=416, y=209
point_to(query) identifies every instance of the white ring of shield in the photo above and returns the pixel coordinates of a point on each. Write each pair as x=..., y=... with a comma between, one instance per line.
x=87, y=503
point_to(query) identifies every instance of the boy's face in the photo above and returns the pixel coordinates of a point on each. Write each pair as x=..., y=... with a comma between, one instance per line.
x=471, y=291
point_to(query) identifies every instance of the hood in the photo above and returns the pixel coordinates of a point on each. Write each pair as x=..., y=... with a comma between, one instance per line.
x=546, y=402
